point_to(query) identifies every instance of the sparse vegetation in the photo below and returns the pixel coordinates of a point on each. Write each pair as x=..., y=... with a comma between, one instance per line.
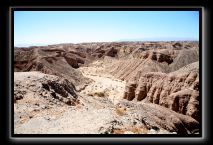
x=99, y=94
x=135, y=130
x=139, y=130
x=118, y=131
x=120, y=111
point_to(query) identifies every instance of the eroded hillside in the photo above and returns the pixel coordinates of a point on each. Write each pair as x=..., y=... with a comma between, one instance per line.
x=118, y=88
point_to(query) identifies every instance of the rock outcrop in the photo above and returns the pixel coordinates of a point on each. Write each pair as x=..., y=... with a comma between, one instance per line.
x=177, y=91
x=53, y=88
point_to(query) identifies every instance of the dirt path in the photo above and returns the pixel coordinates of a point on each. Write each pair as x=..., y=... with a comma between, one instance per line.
x=104, y=85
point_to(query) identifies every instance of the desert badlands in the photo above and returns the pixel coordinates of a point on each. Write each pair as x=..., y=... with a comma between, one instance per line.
x=107, y=88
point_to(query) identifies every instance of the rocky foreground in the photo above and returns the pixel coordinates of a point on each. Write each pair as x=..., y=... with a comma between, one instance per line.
x=107, y=88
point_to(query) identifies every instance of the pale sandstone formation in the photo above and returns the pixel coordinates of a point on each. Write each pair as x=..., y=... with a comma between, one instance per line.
x=177, y=91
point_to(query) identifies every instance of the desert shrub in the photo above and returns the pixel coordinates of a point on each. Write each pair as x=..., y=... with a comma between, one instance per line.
x=139, y=130
x=135, y=130
x=120, y=111
x=99, y=94
x=118, y=131
x=90, y=94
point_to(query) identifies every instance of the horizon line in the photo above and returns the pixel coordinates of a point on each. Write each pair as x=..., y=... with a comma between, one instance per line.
x=47, y=44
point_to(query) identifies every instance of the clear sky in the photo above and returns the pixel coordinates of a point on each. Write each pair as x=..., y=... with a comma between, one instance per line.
x=52, y=27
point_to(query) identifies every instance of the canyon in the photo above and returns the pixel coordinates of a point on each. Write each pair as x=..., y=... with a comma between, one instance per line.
x=108, y=88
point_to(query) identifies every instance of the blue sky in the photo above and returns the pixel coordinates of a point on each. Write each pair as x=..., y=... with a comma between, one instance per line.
x=52, y=27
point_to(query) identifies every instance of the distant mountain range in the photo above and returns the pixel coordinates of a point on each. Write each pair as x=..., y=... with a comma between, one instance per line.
x=31, y=44
x=121, y=40
x=160, y=39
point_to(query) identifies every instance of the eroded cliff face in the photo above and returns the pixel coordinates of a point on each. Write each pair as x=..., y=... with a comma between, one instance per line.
x=178, y=91
x=156, y=60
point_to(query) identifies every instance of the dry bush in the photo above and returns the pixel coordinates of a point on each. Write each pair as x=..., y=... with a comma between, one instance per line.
x=138, y=130
x=78, y=106
x=99, y=94
x=90, y=94
x=120, y=111
x=135, y=130
x=118, y=131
